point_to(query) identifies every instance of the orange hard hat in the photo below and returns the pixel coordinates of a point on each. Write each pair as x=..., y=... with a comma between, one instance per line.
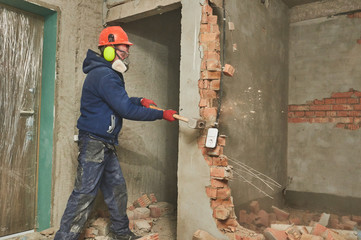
x=113, y=36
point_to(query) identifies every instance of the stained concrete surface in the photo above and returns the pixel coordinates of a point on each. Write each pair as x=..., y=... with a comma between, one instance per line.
x=324, y=58
x=148, y=151
x=322, y=9
x=254, y=102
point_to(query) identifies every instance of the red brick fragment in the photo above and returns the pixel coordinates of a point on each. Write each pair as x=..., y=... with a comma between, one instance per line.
x=273, y=234
x=254, y=207
x=228, y=70
x=281, y=215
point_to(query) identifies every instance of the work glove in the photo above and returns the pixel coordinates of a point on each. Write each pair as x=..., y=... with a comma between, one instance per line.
x=168, y=115
x=146, y=102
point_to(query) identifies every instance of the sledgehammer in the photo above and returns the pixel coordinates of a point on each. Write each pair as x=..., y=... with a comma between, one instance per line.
x=192, y=123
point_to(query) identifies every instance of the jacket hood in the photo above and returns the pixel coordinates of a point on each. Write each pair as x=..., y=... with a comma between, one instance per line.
x=94, y=60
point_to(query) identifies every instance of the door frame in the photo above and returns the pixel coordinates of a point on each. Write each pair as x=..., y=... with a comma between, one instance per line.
x=46, y=123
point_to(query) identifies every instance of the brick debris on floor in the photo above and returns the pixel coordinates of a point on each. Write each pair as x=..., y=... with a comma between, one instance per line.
x=146, y=215
x=299, y=225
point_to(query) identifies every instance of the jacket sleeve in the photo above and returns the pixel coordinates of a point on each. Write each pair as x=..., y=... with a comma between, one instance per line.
x=136, y=100
x=113, y=93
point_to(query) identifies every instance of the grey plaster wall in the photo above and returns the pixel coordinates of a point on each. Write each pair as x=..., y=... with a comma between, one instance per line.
x=324, y=58
x=148, y=151
x=79, y=24
x=254, y=103
x=194, y=211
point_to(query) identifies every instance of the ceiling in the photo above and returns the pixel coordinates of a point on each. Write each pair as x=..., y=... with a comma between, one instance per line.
x=292, y=3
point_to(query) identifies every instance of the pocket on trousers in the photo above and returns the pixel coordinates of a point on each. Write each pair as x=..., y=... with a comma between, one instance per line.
x=94, y=151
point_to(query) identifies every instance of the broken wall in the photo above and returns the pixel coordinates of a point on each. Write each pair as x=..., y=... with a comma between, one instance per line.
x=323, y=148
x=79, y=24
x=254, y=101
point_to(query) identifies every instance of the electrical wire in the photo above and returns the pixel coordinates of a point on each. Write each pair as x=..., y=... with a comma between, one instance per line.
x=222, y=63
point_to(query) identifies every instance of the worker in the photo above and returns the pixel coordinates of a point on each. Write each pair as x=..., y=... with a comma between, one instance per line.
x=104, y=104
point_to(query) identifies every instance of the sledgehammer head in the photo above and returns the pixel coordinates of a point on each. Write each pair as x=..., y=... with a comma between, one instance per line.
x=196, y=123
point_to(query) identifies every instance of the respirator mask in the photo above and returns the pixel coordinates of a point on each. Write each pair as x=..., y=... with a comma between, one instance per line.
x=121, y=65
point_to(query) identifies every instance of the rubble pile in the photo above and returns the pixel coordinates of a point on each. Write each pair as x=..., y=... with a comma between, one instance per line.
x=299, y=225
x=142, y=214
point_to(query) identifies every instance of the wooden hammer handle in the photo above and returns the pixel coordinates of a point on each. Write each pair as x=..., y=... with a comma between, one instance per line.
x=176, y=116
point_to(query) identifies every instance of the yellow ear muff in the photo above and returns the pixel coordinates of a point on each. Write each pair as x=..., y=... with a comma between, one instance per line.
x=109, y=53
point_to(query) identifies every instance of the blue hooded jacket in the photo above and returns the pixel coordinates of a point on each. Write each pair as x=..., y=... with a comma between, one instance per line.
x=104, y=101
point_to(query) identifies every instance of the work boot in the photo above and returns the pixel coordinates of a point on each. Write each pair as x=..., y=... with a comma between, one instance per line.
x=129, y=236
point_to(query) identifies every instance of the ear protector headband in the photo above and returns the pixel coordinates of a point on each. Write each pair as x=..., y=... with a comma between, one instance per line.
x=109, y=51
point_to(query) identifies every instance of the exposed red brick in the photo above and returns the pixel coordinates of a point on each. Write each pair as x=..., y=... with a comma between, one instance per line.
x=353, y=100
x=310, y=114
x=209, y=37
x=330, y=100
x=320, y=113
x=215, y=85
x=205, y=27
x=208, y=93
x=299, y=114
x=319, y=120
x=220, y=161
x=204, y=18
x=207, y=9
x=212, y=19
x=221, y=172
x=211, y=192
x=215, y=28
x=209, y=113
x=211, y=75
x=217, y=183
x=221, y=212
x=225, y=202
x=342, y=113
x=223, y=193
x=217, y=151
x=341, y=100
x=318, y=102
x=352, y=126
x=331, y=113
x=341, y=107
x=341, y=125
x=321, y=107
x=341, y=120
x=357, y=107
x=204, y=102
x=225, y=224
x=222, y=140
x=212, y=55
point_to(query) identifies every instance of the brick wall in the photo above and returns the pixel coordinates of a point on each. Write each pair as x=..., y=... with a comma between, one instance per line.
x=342, y=108
x=209, y=85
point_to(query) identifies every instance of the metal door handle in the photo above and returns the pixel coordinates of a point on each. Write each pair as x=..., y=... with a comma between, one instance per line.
x=26, y=113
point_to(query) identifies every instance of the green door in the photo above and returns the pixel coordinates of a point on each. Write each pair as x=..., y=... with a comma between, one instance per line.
x=21, y=42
